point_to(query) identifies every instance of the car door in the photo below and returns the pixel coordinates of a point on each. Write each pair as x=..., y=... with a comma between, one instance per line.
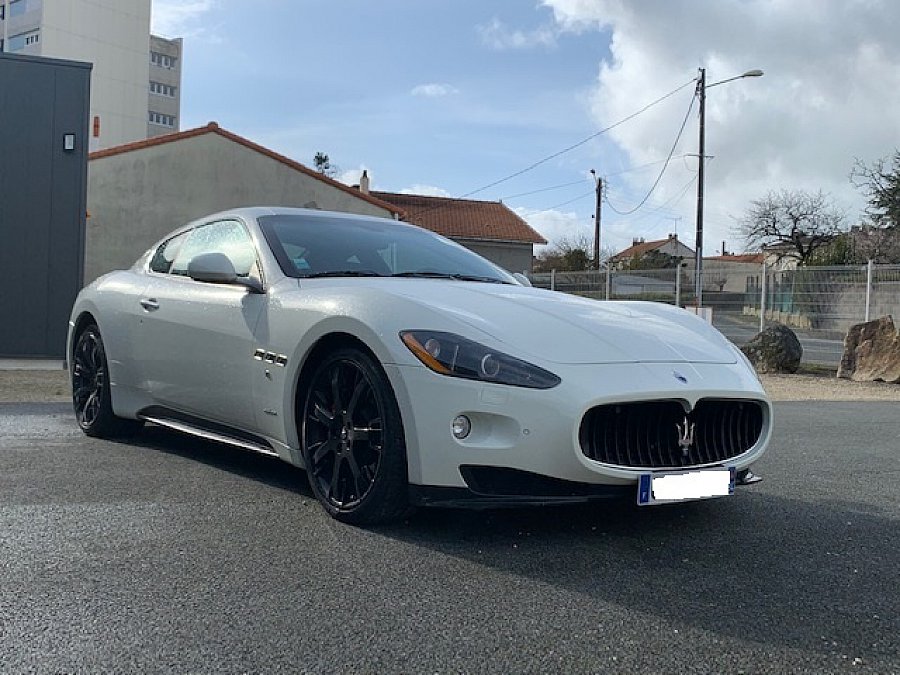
x=197, y=337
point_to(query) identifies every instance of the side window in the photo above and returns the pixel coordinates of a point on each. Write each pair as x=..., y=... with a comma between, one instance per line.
x=226, y=236
x=165, y=254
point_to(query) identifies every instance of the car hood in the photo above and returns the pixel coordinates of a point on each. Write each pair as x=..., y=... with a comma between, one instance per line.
x=570, y=329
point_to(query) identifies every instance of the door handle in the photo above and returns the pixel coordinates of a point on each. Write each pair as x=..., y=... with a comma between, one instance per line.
x=150, y=304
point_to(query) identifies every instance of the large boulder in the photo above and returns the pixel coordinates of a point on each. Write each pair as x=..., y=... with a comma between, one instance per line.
x=871, y=352
x=775, y=350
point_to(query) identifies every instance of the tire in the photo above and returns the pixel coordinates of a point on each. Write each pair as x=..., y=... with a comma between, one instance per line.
x=352, y=441
x=91, y=396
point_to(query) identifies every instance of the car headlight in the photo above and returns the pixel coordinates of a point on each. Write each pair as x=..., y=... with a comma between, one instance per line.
x=456, y=356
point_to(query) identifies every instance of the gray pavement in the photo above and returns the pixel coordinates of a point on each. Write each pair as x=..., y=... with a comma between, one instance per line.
x=170, y=555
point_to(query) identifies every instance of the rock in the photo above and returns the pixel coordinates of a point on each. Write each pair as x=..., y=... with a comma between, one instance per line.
x=774, y=350
x=871, y=352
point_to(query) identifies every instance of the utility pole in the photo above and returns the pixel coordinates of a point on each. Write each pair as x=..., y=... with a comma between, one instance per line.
x=599, y=184
x=698, y=241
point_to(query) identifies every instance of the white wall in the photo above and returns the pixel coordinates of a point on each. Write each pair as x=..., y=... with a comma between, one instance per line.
x=114, y=35
x=511, y=256
x=137, y=197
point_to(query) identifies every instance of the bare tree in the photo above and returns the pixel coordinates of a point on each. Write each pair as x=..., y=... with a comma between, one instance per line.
x=881, y=244
x=794, y=223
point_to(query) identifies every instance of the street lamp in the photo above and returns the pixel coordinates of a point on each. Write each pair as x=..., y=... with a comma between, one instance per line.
x=701, y=92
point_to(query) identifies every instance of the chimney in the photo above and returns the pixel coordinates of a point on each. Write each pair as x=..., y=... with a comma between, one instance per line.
x=364, y=182
x=673, y=236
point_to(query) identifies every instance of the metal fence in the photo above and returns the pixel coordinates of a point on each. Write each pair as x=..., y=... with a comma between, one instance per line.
x=819, y=303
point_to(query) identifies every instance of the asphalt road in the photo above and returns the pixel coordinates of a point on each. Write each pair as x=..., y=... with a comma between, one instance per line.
x=170, y=555
x=816, y=348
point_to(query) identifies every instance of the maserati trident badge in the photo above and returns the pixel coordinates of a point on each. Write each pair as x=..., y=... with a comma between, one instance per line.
x=685, y=436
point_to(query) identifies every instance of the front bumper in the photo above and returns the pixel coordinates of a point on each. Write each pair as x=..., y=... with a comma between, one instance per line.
x=536, y=431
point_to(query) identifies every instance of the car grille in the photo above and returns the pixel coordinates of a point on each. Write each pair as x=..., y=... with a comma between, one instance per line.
x=651, y=433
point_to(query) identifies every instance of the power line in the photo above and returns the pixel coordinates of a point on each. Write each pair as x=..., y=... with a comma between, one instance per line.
x=663, y=170
x=643, y=166
x=546, y=189
x=546, y=159
x=664, y=206
x=579, y=182
x=583, y=141
x=556, y=206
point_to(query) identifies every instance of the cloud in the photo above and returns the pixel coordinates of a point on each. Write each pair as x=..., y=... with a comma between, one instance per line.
x=499, y=36
x=832, y=76
x=179, y=18
x=556, y=226
x=434, y=90
x=427, y=190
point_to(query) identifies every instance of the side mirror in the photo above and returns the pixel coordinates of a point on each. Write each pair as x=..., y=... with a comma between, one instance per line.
x=217, y=268
x=214, y=268
x=522, y=279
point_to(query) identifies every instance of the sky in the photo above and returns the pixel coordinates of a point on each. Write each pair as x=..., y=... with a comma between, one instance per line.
x=517, y=100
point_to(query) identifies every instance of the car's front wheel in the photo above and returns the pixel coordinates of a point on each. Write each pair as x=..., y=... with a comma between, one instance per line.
x=352, y=440
x=90, y=389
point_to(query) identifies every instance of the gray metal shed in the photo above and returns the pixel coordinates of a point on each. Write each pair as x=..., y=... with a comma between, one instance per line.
x=43, y=183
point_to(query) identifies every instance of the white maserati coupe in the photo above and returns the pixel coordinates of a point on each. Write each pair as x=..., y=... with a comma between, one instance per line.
x=400, y=369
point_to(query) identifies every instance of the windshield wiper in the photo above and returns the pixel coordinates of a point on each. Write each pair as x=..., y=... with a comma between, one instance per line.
x=428, y=274
x=343, y=273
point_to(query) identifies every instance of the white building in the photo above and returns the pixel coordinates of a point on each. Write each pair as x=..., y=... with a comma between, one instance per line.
x=164, y=103
x=113, y=35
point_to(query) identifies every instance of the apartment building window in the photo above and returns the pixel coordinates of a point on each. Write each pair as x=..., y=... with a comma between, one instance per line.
x=2, y=11
x=18, y=7
x=162, y=60
x=162, y=120
x=20, y=41
x=162, y=89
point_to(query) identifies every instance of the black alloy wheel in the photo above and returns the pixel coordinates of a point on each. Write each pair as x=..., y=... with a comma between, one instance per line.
x=352, y=439
x=91, y=396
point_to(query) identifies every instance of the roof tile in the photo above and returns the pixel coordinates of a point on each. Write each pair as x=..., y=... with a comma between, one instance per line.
x=463, y=218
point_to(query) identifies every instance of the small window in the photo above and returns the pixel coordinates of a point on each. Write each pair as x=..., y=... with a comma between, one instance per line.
x=165, y=254
x=161, y=119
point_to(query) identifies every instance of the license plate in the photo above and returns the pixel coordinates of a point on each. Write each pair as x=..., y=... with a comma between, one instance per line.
x=664, y=487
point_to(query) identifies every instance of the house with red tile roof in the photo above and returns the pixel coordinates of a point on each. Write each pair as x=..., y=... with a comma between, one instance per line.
x=740, y=258
x=639, y=248
x=730, y=272
x=138, y=192
x=490, y=229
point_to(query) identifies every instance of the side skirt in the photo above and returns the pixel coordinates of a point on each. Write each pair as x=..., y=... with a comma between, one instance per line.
x=211, y=431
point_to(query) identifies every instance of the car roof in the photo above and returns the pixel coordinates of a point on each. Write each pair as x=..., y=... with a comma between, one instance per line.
x=258, y=211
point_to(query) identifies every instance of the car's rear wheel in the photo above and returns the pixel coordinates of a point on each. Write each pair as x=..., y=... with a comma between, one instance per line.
x=352, y=440
x=90, y=389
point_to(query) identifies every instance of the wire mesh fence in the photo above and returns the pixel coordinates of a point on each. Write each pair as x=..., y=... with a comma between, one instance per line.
x=819, y=303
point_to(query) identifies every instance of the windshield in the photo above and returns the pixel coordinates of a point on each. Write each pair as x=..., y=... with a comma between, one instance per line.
x=333, y=247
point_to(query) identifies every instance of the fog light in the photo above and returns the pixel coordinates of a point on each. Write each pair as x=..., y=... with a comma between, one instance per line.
x=461, y=427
